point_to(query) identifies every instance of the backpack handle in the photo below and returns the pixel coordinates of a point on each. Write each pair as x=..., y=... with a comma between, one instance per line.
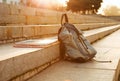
x=64, y=16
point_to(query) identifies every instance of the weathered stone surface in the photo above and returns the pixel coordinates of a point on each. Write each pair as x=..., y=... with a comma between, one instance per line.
x=33, y=20
x=52, y=29
x=93, y=25
x=28, y=31
x=12, y=19
x=37, y=30
x=9, y=32
x=66, y=71
x=27, y=11
x=40, y=12
x=43, y=20
x=46, y=12
x=22, y=63
x=3, y=33
x=14, y=10
x=43, y=30
x=43, y=16
x=4, y=9
x=50, y=20
x=17, y=32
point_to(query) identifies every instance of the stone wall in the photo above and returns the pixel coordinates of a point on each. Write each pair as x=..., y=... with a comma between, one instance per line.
x=20, y=22
x=17, y=14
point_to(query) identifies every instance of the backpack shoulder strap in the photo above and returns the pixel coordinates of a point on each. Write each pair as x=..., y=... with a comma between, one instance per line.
x=64, y=16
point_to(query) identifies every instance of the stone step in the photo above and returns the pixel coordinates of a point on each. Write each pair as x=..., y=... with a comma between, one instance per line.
x=21, y=32
x=108, y=49
x=76, y=18
x=26, y=62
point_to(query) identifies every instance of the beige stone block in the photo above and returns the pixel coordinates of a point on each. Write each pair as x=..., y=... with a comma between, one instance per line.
x=33, y=20
x=4, y=19
x=17, y=32
x=22, y=61
x=4, y=9
x=82, y=26
x=43, y=30
x=92, y=38
x=99, y=25
x=3, y=33
x=28, y=31
x=102, y=34
x=50, y=13
x=50, y=29
x=37, y=30
x=42, y=20
x=1, y=20
x=38, y=57
x=49, y=16
x=46, y=12
x=13, y=19
x=14, y=9
x=50, y=20
x=9, y=33
x=21, y=19
x=39, y=12
x=94, y=26
x=75, y=21
x=6, y=70
x=27, y=11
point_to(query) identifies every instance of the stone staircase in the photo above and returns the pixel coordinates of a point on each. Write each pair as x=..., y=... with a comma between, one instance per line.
x=19, y=23
x=19, y=64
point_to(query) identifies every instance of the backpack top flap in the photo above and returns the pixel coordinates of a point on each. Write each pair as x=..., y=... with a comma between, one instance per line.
x=68, y=25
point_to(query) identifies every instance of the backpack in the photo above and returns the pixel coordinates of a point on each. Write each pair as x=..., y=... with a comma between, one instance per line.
x=73, y=44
